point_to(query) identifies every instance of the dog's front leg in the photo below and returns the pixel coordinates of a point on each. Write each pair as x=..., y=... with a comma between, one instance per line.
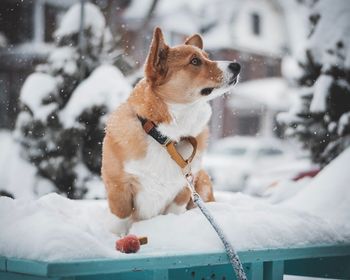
x=178, y=205
x=120, y=200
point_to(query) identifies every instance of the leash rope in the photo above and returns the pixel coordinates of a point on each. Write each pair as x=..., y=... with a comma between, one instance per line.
x=230, y=251
x=185, y=165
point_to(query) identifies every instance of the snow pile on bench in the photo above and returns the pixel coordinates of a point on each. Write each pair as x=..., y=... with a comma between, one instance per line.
x=55, y=228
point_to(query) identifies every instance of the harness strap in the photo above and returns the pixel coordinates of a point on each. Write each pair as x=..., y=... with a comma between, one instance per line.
x=151, y=129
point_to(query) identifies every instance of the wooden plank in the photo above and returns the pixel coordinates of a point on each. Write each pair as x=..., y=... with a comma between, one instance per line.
x=141, y=262
x=19, y=276
x=254, y=271
x=209, y=272
x=27, y=266
x=2, y=263
x=160, y=274
x=332, y=267
x=133, y=275
x=274, y=270
x=124, y=264
x=294, y=253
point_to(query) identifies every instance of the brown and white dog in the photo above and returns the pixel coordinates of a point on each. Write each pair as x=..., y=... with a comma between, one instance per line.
x=141, y=179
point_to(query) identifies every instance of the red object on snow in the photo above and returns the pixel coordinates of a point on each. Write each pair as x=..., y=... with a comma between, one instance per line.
x=130, y=243
x=310, y=173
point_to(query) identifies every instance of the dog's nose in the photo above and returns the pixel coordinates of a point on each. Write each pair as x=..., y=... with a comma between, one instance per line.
x=234, y=67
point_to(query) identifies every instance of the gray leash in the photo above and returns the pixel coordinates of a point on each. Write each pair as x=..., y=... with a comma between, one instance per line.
x=230, y=251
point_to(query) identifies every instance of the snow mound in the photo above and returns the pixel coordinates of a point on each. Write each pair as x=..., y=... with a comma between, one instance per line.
x=249, y=224
x=106, y=85
x=83, y=229
x=36, y=88
x=59, y=229
x=318, y=214
x=328, y=194
x=70, y=23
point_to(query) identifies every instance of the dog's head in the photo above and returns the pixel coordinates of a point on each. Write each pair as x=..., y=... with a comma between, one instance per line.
x=184, y=73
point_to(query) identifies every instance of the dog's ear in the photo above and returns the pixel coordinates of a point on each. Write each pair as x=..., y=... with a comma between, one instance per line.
x=156, y=63
x=195, y=40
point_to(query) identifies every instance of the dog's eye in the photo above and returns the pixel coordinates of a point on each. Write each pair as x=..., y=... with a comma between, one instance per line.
x=196, y=61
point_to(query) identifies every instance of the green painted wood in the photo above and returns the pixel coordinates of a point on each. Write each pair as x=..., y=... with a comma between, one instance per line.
x=331, y=267
x=28, y=267
x=274, y=270
x=134, y=275
x=160, y=274
x=2, y=264
x=209, y=272
x=145, y=262
x=254, y=271
x=19, y=276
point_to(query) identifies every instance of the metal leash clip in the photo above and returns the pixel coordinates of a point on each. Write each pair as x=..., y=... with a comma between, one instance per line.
x=190, y=179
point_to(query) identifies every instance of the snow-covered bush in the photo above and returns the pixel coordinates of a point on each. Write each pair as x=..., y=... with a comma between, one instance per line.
x=64, y=103
x=321, y=120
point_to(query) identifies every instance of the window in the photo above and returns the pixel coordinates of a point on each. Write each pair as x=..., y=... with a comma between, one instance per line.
x=16, y=21
x=256, y=24
x=268, y=152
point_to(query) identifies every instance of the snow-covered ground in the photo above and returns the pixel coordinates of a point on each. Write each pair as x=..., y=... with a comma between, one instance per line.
x=56, y=228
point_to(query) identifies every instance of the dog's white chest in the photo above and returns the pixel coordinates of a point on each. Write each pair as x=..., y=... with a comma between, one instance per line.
x=160, y=178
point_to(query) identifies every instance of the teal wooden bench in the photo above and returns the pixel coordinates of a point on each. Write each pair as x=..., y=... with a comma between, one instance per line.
x=269, y=264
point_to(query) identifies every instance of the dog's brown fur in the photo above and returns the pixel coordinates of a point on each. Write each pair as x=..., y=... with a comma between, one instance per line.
x=167, y=73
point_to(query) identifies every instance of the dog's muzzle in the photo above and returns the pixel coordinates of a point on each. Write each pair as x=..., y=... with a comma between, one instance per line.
x=230, y=70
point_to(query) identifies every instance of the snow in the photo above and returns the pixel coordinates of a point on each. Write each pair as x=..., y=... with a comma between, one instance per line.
x=105, y=86
x=318, y=214
x=17, y=176
x=271, y=92
x=328, y=194
x=37, y=87
x=325, y=38
x=3, y=40
x=64, y=59
x=285, y=190
x=344, y=123
x=290, y=69
x=67, y=228
x=321, y=91
x=70, y=23
x=76, y=230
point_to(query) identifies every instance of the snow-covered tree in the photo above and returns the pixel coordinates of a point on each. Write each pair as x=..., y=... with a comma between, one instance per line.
x=64, y=103
x=321, y=119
